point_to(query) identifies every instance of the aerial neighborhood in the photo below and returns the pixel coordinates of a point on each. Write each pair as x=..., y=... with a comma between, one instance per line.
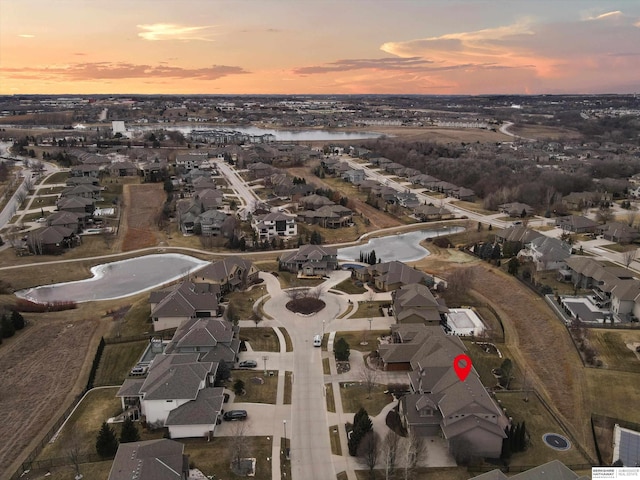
x=447, y=287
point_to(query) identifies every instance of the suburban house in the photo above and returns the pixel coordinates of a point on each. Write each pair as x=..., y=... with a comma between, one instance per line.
x=407, y=199
x=170, y=307
x=391, y=275
x=414, y=303
x=229, y=274
x=160, y=459
x=314, y=201
x=354, y=176
x=619, y=232
x=189, y=161
x=328, y=216
x=211, y=223
x=547, y=253
x=310, y=260
x=274, y=225
x=576, y=224
x=215, y=339
x=516, y=209
x=429, y=213
x=462, y=412
x=580, y=200
x=84, y=170
x=175, y=381
x=85, y=190
x=66, y=220
x=517, y=233
x=81, y=205
x=51, y=240
x=123, y=169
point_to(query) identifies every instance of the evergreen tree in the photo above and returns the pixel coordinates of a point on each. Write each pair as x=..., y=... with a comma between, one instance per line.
x=238, y=387
x=129, y=432
x=7, y=327
x=361, y=426
x=522, y=437
x=106, y=443
x=341, y=350
x=372, y=258
x=17, y=320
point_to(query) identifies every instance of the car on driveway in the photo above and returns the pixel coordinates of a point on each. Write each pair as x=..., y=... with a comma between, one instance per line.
x=235, y=415
x=248, y=364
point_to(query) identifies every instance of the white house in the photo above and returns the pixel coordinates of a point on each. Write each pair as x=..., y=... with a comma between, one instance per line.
x=275, y=225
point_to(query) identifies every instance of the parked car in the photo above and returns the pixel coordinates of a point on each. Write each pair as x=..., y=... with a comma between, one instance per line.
x=139, y=370
x=235, y=415
x=248, y=364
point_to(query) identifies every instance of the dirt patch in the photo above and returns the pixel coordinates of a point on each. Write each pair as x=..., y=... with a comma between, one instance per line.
x=142, y=206
x=305, y=306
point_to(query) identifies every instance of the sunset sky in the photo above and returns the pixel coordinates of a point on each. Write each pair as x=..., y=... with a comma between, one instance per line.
x=319, y=46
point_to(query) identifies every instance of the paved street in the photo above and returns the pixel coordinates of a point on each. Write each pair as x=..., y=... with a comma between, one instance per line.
x=307, y=419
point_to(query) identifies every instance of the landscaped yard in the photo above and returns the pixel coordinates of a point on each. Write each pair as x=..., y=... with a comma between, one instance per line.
x=370, y=309
x=258, y=387
x=354, y=396
x=349, y=286
x=354, y=339
x=538, y=421
x=214, y=457
x=616, y=348
x=261, y=339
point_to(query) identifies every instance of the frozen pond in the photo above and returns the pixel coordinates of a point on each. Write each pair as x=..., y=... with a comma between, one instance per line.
x=118, y=279
x=403, y=247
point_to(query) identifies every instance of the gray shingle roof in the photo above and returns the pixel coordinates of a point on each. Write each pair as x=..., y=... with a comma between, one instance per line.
x=160, y=459
x=204, y=410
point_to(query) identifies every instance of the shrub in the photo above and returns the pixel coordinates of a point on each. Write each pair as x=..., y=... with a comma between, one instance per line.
x=341, y=350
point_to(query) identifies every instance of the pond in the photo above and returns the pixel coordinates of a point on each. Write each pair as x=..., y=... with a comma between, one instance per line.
x=280, y=135
x=118, y=279
x=403, y=247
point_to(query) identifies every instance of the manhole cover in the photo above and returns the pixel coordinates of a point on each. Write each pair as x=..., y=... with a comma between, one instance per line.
x=555, y=441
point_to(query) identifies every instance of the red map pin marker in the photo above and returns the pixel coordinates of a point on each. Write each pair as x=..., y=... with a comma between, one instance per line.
x=462, y=366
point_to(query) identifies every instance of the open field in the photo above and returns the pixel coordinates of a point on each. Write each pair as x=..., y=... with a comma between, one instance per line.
x=616, y=348
x=543, y=132
x=144, y=203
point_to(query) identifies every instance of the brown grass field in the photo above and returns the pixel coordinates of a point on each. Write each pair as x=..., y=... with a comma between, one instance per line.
x=613, y=347
x=143, y=205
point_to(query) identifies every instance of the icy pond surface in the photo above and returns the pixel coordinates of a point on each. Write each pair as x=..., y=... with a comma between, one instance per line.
x=403, y=247
x=117, y=279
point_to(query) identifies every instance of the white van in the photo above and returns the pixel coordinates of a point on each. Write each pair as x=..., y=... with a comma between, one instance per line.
x=317, y=341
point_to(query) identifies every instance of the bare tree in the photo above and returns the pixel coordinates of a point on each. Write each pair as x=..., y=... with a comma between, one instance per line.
x=389, y=454
x=629, y=256
x=459, y=280
x=414, y=450
x=604, y=215
x=296, y=293
x=369, y=451
x=368, y=377
x=632, y=216
x=73, y=453
x=12, y=235
x=314, y=292
x=238, y=445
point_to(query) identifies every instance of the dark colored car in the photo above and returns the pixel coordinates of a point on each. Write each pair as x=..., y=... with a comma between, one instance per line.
x=248, y=364
x=235, y=415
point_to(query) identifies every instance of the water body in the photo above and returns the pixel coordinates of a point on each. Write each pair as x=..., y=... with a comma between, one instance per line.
x=280, y=135
x=403, y=247
x=118, y=279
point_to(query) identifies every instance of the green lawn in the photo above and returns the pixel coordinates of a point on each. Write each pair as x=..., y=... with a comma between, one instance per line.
x=117, y=360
